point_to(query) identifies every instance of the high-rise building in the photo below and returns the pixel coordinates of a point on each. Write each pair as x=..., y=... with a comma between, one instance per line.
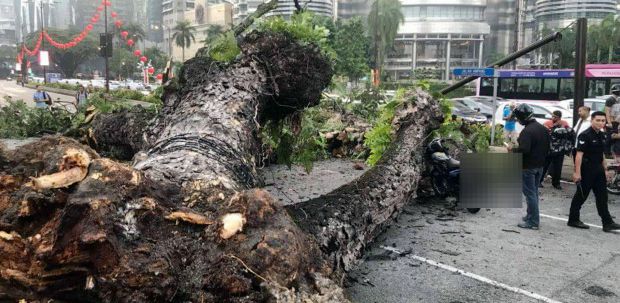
x=60, y=14
x=436, y=37
x=83, y=11
x=173, y=11
x=7, y=22
x=285, y=8
x=347, y=9
x=501, y=15
x=154, y=21
x=560, y=13
x=201, y=18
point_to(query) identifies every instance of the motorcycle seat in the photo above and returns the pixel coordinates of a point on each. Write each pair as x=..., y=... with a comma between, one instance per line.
x=452, y=163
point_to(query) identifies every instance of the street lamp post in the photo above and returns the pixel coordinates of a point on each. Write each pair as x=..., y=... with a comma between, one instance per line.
x=43, y=43
x=107, y=65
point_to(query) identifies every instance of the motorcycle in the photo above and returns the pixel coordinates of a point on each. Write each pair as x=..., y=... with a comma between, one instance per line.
x=613, y=185
x=445, y=171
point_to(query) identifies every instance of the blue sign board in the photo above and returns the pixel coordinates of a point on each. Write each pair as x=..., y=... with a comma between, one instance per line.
x=536, y=74
x=474, y=72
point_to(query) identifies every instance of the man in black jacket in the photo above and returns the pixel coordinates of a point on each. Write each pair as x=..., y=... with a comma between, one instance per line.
x=534, y=145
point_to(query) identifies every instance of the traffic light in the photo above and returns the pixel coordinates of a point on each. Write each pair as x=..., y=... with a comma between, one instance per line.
x=105, y=45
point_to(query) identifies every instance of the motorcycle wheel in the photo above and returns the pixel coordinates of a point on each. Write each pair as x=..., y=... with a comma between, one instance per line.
x=473, y=210
x=613, y=187
x=440, y=186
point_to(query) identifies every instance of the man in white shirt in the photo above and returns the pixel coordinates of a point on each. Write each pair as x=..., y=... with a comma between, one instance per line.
x=582, y=124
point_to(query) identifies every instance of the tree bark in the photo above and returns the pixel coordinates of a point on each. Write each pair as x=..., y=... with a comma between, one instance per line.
x=186, y=223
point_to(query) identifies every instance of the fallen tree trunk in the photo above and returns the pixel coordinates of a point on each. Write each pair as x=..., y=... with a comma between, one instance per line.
x=347, y=219
x=184, y=223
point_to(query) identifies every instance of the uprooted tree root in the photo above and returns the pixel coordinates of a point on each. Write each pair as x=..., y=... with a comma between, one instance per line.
x=117, y=235
x=186, y=221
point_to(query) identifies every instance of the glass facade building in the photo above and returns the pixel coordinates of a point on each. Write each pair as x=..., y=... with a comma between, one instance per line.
x=436, y=37
x=561, y=13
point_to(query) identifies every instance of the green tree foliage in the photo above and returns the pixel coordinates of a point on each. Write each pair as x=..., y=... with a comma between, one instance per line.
x=224, y=48
x=123, y=63
x=303, y=28
x=383, y=21
x=68, y=60
x=157, y=57
x=212, y=32
x=136, y=32
x=351, y=46
x=184, y=35
x=610, y=35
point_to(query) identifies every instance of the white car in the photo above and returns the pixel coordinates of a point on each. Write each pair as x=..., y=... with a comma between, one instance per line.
x=542, y=113
x=595, y=104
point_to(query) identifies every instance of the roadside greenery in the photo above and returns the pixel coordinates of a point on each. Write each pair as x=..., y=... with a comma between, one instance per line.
x=18, y=120
x=121, y=93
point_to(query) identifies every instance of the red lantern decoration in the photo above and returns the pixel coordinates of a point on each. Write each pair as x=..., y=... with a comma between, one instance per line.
x=151, y=70
x=100, y=8
x=107, y=3
x=93, y=20
x=114, y=15
x=118, y=23
x=159, y=77
x=137, y=53
x=144, y=59
x=89, y=27
x=130, y=42
x=124, y=34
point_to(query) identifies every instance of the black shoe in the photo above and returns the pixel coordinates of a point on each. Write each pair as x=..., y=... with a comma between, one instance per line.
x=611, y=227
x=557, y=186
x=578, y=224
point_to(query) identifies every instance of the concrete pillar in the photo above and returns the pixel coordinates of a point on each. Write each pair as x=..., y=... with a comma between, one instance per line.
x=448, y=44
x=414, y=56
x=481, y=52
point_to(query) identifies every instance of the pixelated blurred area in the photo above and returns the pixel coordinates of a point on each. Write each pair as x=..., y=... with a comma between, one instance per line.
x=491, y=180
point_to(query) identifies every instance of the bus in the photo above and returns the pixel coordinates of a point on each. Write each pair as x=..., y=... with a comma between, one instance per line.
x=551, y=84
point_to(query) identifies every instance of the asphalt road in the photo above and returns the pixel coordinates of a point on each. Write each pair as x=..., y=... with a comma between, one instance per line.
x=554, y=264
x=494, y=260
x=17, y=92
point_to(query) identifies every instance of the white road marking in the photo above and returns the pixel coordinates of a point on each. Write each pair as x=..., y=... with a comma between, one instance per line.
x=566, y=220
x=478, y=277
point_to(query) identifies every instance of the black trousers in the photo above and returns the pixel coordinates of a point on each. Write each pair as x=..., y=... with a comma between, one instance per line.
x=592, y=179
x=554, y=162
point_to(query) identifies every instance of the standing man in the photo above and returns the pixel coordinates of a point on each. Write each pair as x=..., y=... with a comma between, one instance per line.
x=590, y=174
x=561, y=142
x=41, y=98
x=582, y=125
x=510, y=126
x=612, y=114
x=81, y=97
x=534, y=145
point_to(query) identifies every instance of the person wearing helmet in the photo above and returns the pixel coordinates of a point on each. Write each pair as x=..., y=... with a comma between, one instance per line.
x=533, y=143
x=590, y=174
x=561, y=145
x=612, y=114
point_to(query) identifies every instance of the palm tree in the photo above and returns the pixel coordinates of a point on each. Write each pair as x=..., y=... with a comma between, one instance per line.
x=595, y=36
x=184, y=35
x=383, y=20
x=610, y=34
x=212, y=32
x=136, y=32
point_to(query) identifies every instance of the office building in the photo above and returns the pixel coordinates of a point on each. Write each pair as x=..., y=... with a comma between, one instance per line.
x=285, y=8
x=173, y=11
x=560, y=13
x=436, y=37
x=202, y=17
x=347, y=9
x=7, y=22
